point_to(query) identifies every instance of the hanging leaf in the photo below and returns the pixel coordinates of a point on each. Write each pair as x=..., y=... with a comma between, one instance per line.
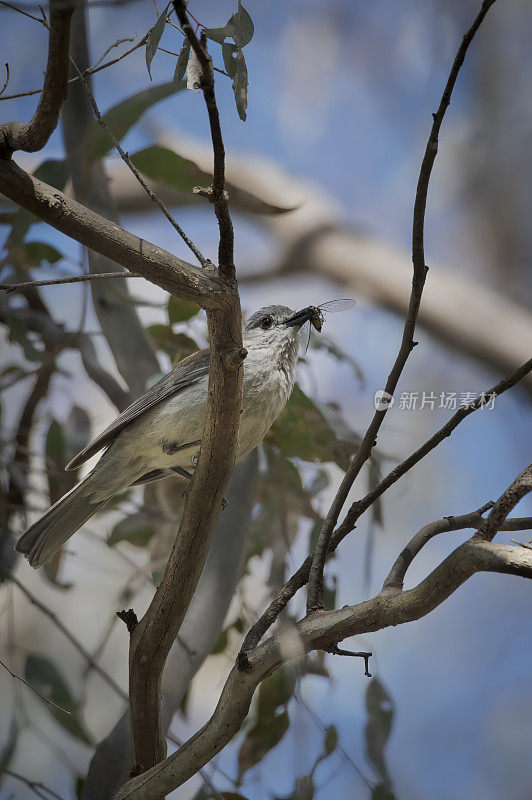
x=35, y=253
x=175, y=345
x=379, y=709
x=262, y=738
x=182, y=61
x=229, y=52
x=123, y=116
x=137, y=529
x=46, y=679
x=216, y=34
x=76, y=431
x=240, y=85
x=240, y=27
x=302, y=431
x=170, y=169
x=181, y=310
x=154, y=37
x=330, y=741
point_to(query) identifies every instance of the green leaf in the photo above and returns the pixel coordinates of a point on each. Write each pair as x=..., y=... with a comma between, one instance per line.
x=181, y=310
x=302, y=431
x=76, y=432
x=54, y=172
x=34, y=253
x=379, y=709
x=240, y=85
x=216, y=34
x=329, y=595
x=240, y=27
x=262, y=738
x=182, y=61
x=175, y=345
x=330, y=741
x=137, y=529
x=154, y=37
x=122, y=117
x=166, y=167
x=275, y=691
x=229, y=52
x=46, y=679
x=222, y=642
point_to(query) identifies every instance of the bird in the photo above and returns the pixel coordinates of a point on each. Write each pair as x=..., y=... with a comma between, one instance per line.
x=159, y=434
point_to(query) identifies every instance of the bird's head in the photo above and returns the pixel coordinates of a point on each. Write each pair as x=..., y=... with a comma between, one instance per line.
x=277, y=327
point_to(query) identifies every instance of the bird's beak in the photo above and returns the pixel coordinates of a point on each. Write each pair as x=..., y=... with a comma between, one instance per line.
x=299, y=318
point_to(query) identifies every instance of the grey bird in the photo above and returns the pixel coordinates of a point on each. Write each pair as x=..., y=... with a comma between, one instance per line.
x=160, y=433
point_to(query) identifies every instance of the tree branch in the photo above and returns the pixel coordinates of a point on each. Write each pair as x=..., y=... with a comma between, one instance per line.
x=506, y=502
x=315, y=588
x=199, y=286
x=301, y=576
x=218, y=195
x=321, y=630
x=32, y=136
x=16, y=287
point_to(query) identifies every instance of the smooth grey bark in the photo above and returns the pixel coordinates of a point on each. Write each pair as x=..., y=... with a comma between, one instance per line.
x=202, y=625
x=118, y=318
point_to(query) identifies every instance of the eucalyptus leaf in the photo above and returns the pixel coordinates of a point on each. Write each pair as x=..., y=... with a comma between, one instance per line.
x=137, y=529
x=240, y=85
x=35, y=253
x=240, y=27
x=303, y=431
x=262, y=738
x=379, y=709
x=154, y=37
x=181, y=310
x=182, y=61
x=170, y=169
x=121, y=118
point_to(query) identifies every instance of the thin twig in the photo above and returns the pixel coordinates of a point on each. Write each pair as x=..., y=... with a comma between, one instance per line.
x=71, y=638
x=14, y=287
x=21, y=11
x=36, y=786
x=315, y=588
x=218, y=193
x=125, y=157
x=90, y=71
x=300, y=578
x=506, y=502
x=33, y=689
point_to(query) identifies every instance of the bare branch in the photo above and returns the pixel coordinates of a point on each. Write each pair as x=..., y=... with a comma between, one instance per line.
x=125, y=157
x=91, y=71
x=32, y=136
x=219, y=197
x=321, y=630
x=315, y=588
x=199, y=286
x=506, y=502
x=300, y=578
x=36, y=787
x=395, y=577
x=98, y=276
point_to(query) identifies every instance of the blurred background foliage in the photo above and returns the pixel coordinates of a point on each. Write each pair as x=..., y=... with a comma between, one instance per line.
x=339, y=96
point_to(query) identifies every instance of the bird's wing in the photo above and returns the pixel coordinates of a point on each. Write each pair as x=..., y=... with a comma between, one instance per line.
x=188, y=371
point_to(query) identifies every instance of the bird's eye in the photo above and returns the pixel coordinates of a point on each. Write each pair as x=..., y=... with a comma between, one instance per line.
x=266, y=323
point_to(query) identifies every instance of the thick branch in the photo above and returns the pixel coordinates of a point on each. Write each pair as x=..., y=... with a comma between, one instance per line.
x=75, y=220
x=319, y=631
x=32, y=136
x=315, y=589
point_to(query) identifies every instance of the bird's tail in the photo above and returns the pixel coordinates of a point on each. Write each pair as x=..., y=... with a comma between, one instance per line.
x=48, y=534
